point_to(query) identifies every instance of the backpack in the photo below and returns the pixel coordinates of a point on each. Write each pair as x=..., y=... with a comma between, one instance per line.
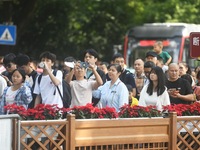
x=66, y=98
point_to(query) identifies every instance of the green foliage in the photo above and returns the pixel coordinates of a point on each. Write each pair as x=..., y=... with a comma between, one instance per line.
x=68, y=27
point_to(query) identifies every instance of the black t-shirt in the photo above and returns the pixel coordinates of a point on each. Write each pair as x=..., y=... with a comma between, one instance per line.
x=34, y=75
x=101, y=74
x=7, y=74
x=184, y=89
x=127, y=78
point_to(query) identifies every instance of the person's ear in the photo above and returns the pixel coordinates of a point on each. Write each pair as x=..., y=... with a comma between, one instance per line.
x=52, y=64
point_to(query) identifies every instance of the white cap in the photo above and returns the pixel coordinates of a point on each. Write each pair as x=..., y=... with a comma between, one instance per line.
x=70, y=64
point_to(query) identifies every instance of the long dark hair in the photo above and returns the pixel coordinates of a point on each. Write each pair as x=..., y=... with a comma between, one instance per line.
x=161, y=81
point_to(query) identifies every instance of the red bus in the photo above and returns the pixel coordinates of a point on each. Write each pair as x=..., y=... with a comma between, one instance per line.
x=175, y=37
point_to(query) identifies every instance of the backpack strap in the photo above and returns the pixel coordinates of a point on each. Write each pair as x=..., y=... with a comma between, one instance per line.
x=54, y=73
x=39, y=78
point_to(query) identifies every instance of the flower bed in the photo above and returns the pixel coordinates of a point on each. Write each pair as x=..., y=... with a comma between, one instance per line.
x=90, y=112
x=183, y=109
x=52, y=112
x=128, y=111
x=79, y=132
x=40, y=112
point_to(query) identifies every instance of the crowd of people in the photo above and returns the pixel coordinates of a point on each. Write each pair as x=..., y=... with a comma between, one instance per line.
x=155, y=81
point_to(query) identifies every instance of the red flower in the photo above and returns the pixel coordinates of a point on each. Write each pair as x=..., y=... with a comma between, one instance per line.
x=14, y=109
x=89, y=112
x=40, y=112
x=183, y=109
x=128, y=111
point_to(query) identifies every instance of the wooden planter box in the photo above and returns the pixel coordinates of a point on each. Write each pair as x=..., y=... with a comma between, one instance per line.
x=118, y=134
x=114, y=134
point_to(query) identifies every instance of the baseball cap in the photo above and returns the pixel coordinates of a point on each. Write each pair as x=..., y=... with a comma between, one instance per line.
x=151, y=53
x=70, y=64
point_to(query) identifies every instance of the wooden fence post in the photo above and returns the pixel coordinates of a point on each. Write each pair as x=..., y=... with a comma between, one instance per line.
x=71, y=132
x=173, y=131
x=15, y=143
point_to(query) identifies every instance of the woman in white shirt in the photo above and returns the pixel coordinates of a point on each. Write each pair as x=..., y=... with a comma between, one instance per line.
x=155, y=93
x=113, y=93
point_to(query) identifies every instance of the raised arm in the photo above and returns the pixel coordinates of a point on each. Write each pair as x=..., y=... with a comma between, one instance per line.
x=70, y=76
x=99, y=81
x=53, y=78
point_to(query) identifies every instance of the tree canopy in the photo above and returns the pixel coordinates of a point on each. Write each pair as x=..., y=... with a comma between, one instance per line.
x=68, y=27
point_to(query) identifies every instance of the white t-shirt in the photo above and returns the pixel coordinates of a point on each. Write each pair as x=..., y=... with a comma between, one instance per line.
x=2, y=69
x=48, y=90
x=3, y=84
x=81, y=92
x=154, y=100
x=10, y=96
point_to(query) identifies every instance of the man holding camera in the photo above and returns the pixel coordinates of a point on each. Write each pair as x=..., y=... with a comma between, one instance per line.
x=91, y=57
x=24, y=62
x=81, y=88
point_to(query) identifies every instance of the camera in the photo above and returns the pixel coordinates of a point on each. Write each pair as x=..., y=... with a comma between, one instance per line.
x=84, y=65
x=41, y=65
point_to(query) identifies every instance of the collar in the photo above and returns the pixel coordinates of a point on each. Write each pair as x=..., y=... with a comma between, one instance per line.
x=117, y=82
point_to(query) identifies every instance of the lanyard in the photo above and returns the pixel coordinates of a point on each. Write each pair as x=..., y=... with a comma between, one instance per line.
x=114, y=92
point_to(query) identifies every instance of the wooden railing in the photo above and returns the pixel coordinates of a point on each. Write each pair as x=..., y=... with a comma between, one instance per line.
x=115, y=134
x=188, y=133
x=43, y=135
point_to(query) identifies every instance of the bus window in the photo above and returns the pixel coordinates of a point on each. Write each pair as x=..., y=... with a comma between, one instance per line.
x=138, y=48
x=140, y=39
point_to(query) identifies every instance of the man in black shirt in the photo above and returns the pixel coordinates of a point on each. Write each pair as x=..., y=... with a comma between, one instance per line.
x=180, y=91
x=23, y=61
x=126, y=76
x=10, y=66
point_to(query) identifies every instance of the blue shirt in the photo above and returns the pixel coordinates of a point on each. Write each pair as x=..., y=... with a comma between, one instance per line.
x=23, y=97
x=113, y=96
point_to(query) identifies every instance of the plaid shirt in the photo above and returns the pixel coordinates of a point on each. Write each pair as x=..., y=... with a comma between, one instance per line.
x=23, y=97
